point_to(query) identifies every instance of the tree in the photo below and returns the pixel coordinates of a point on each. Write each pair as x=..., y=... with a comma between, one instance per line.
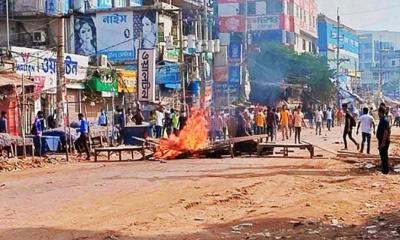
x=275, y=64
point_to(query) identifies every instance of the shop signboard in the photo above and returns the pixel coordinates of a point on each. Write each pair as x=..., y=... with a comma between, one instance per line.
x=264, y=22
x=221, y=74
x=231, y=24
x=146, y=75
x=235, y=52
x=234, y=74
x=42, y=63
x=127, y=81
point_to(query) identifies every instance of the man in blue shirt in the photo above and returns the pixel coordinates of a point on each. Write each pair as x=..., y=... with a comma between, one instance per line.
x=83, y=140
x=383, y=136
x=103, y=121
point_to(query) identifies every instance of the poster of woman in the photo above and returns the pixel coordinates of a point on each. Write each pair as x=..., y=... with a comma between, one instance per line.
x=85, y=36
x=145, y=30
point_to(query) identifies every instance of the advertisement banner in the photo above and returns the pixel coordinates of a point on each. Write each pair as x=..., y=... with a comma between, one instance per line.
x=261, y=23
x=115, y=35
x=231, y=24
x=235, y=52
x=145, y=30
x=85, y=35
x=41, y=63
x=127, y=81
x=221, y=74
x=221, y=58
x=234, y=74
x=168, y=74
x=146, y=75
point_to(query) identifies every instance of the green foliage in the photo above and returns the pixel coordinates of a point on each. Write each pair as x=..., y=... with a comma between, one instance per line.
x=276, y=63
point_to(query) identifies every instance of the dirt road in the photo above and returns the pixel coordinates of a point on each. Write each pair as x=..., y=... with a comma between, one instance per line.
x=241, y=198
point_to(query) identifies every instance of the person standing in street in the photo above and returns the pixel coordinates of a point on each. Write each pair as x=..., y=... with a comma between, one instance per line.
x=3, y=122
x=318, y=121
x=284, y=122
x=350, y=122
x=103, y=121
x=159, y=122
x=37, y=132
x=329, y=118
x=366, y=122
x=383, y=136
x=83, y=139
x=298, y=121
x=260, y=122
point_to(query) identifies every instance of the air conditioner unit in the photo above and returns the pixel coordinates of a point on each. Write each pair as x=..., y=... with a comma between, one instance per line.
x=39, y=37
x=102, y=61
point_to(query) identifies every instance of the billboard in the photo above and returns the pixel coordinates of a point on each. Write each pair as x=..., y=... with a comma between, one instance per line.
x=42, y=66
x=235, y=52
x=145, y=29
x=36, y=62
x=118, y=35
x=234, y=74
x=231, y=24
x=85, y=35
x=114, y=36
x=220, y=74
x=146, y=75
x=262, y=23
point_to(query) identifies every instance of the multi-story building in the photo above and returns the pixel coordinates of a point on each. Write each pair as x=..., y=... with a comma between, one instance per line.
x=292, y=23
x=107, y=31
x=378, y=51
x=328, y=44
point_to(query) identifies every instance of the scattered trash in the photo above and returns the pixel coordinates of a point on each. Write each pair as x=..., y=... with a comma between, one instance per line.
x=369, y=205
x=241, y=226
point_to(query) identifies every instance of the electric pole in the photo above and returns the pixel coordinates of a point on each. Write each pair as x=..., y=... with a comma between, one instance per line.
x=8, y=26
x=61, y=86
x=338, y=59
x=61, y=90
x=245, y=54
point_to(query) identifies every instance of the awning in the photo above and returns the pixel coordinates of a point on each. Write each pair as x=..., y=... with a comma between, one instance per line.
x=168, y=74
x=14, y=79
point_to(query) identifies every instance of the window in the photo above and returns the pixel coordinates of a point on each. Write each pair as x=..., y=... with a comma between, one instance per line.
x=304, y=45
x=251, y=8
x=309, y=46
x=393, y=63
x=274, y=6
x=161, y=32
x=261, y=8
x=297, y=11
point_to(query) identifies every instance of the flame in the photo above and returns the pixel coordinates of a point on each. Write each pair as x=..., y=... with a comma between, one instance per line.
x=192, y=138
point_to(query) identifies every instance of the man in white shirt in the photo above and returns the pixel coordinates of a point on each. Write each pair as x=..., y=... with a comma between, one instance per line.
x=159, y=122
x=329, y=118
x=318, y=121
x=366, y=122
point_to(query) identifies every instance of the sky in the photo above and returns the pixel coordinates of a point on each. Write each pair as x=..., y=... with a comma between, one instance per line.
x=364, y=14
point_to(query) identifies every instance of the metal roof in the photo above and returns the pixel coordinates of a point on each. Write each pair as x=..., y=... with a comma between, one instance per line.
x=14, y=79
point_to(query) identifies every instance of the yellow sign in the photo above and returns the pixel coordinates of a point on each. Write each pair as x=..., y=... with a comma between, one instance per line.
x=126, y=81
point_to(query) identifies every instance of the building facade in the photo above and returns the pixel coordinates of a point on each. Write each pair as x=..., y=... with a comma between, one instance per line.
x=111, y=31
x=378, y=54
x=328, y=45
x=292, y=23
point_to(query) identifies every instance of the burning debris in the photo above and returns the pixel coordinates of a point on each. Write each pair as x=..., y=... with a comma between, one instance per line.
x=193, y=138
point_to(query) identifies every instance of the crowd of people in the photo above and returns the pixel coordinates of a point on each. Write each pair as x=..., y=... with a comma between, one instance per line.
x=280, y=122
